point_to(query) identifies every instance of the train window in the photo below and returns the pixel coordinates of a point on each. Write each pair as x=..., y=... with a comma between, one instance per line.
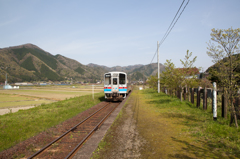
x=122, y=78
x=114, y=81
x=107, y=79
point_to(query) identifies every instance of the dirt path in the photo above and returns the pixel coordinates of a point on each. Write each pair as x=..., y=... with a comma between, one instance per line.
x=13, y=110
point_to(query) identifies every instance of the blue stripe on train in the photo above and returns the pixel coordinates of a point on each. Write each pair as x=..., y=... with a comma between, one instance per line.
x=107, y=90
x=122, y=89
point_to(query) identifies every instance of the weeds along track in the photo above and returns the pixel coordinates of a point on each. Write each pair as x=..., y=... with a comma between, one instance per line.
x=68, y=143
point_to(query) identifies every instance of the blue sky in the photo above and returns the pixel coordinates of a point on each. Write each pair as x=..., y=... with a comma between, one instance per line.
x=111, y=32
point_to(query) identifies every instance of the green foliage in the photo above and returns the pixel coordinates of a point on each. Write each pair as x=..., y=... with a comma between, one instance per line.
x=28, y=64
x=49, y=74
x=19, y=126
x=42, y=55
x=175, y=78
x=226, y=58
x=80, y=70
x=188, y=63
x=172, y=77
x=20, y=53
x=27, y=78
x=153, y=82
x=198, y=123
x=137, y=76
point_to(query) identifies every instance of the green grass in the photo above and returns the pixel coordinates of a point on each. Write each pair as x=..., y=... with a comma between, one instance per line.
x=215, y=134
x=19, y=126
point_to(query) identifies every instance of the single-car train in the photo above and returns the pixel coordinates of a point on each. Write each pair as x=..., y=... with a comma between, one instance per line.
x=116, y=87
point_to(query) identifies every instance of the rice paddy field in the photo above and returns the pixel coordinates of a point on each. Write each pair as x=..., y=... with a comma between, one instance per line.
x=37, y=95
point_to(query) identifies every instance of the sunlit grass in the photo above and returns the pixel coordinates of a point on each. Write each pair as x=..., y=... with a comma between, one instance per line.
x=198, y=122
x=19, y=126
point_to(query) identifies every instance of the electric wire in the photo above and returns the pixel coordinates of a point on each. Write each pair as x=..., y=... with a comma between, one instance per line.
x=172, y=21
x=168, y=31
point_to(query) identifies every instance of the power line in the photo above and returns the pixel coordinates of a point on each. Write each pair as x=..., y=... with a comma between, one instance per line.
x=168, y=31
x=175, y=22
x=153, y=56
x=172, y=21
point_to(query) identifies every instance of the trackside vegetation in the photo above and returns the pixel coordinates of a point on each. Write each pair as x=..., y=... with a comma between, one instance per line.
x=218, y=139
x=175, y=129
x=19, y=126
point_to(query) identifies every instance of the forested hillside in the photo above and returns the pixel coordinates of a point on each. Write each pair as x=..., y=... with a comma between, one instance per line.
x=29, y=63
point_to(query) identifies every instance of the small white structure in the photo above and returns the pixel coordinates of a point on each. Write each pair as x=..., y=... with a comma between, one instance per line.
x=7, y=86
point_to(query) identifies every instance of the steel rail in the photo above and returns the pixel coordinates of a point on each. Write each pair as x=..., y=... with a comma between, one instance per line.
x=44, y=148
x=89, y=134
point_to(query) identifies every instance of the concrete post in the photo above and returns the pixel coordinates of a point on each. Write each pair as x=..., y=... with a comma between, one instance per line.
x=214, y=101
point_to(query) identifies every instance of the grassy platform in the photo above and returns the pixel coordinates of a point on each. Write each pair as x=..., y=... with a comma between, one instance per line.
x=174, y=129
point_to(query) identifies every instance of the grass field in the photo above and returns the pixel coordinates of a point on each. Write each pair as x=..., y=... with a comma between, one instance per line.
x=19, y=126
x=175, y=129
x=27, y=96
x=216, y=139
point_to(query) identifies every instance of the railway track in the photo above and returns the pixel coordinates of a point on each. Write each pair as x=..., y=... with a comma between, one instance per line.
x=66, y=145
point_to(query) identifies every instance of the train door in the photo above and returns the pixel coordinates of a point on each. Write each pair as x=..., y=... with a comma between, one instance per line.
x=122, y=82
x=107, y=83
x=115, y=83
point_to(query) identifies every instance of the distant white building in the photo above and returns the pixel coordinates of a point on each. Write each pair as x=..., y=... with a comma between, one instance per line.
x=23, y=84
x=7, y=86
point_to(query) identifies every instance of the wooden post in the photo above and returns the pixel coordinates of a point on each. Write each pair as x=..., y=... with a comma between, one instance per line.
x=204, y=98
x=192, y=96
x=184, y=94
x=189, y=94
x=180, y=93
x=198, y=97
x=224, y=106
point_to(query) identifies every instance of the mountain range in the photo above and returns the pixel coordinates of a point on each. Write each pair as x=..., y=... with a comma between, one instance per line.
x=28, y=63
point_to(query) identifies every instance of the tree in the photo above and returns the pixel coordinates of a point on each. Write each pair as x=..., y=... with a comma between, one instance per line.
x=226, y=58
x=172, y=77
x=189, y=71
x=176, y=78
x=153, y=82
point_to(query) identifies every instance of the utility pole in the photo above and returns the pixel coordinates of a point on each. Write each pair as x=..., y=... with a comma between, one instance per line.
x=158, y=70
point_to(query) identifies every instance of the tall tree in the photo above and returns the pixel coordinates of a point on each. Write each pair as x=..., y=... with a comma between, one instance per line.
x=172, y=77
x=225, y=55
x=189, y=70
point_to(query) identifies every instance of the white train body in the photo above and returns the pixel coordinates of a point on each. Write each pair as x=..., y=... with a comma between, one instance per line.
x=116, y=86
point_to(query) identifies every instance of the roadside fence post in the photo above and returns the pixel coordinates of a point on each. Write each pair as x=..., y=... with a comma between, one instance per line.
x=166, y=91
x=214, y=101
x=180, y=93
x=204, y=98
x=198, y=97
x=184, y=94
x=192, y=96
x=189, y=94
x=224, y=106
